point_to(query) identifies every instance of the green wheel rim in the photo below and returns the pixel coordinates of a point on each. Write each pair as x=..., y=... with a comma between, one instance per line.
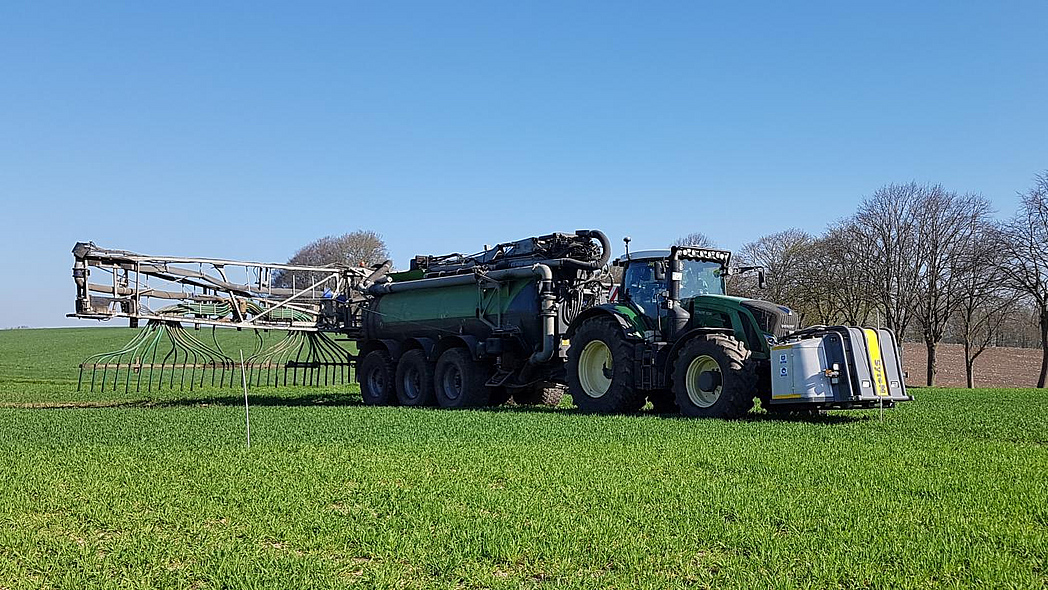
x=593, y=362
x=698, y=366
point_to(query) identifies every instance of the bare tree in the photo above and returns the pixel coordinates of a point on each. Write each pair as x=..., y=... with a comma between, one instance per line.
x=839, y=274
x=784, y=256
x=947, y=227
x=983, y=305
x=888, y=224
x=359, y=248
x=1026, y=247
x=695, y=239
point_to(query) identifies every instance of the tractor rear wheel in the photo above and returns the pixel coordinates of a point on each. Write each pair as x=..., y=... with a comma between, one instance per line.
x=600, y=369
x=714, y=378
x=459, y=380
x=377, y=375
x=415, y=380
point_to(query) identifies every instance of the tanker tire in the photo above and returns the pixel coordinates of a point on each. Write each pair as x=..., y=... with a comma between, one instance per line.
x=730, y=381
x=415, y=380
x=459, y=380
x=597, y=341
x=377, y=376
x=542, y=393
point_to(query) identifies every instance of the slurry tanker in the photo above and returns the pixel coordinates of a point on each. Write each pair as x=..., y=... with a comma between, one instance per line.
x=515, y=320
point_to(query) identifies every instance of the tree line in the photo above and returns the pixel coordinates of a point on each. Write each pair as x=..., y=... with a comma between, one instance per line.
x=931, y=264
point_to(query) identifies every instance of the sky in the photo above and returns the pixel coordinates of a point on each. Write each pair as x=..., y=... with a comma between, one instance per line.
x=249, y=129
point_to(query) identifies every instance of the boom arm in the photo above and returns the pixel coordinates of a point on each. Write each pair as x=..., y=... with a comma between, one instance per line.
x=209, y=291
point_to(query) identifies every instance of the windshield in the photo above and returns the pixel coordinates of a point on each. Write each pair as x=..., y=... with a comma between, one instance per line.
x=700, y=277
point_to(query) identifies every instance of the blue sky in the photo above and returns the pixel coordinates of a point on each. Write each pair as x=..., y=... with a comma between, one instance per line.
x=247, y=130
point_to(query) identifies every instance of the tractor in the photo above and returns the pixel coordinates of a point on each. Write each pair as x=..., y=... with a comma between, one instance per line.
x=671, y=335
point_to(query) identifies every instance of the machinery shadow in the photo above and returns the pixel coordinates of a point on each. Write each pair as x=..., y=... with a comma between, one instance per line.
x=318, y=399
x=353, y=400
x=801, y=418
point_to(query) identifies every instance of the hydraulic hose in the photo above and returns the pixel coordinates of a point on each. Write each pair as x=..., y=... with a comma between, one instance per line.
x=605, y=253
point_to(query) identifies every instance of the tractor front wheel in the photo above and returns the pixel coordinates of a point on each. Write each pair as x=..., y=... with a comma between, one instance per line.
x=713, y=377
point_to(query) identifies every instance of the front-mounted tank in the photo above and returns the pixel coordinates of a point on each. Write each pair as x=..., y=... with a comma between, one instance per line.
x=469, y=330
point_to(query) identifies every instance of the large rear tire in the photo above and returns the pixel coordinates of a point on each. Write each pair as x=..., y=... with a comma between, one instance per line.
x=459, y=380
x=377, y=377
x=713, y=377
x=600, y=369
x=415, y=380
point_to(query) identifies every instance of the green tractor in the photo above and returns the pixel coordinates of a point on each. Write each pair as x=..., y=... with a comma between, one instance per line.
x=672, y=336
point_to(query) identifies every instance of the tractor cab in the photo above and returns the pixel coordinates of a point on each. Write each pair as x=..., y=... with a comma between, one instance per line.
x=651, y=278
x=682, y=289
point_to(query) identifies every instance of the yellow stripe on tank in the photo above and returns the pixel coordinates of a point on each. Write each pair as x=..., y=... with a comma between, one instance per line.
x=873, y=345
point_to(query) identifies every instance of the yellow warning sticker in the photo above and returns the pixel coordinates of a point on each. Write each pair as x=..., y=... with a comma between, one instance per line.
x=873, y=345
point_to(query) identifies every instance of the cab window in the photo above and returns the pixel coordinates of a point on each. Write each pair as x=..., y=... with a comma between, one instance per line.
x=644, y=280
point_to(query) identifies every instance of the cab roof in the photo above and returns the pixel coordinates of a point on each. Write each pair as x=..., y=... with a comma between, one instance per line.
x=645, y=255
x=664, y=253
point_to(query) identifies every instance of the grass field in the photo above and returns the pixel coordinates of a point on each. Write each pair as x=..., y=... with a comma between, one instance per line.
x=130, y=490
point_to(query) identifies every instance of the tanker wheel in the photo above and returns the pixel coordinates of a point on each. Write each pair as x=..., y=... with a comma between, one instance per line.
x=714, y=378
x=415, y=380
x=600, y=369
x=459, y=380
x=377, y=376
x=542, y=393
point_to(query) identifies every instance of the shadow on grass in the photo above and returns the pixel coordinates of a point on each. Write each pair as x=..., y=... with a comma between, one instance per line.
x=319, y=399
x=350, y=400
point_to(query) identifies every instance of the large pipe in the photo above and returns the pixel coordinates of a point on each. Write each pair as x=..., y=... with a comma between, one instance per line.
x=548, y=313
x=462, y=279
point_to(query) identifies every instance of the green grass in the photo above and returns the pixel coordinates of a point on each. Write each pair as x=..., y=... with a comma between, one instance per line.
x=159, y=491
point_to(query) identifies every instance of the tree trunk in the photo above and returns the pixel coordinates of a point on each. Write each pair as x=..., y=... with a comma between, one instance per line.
x=969, y=365
x=932, y=370
x=1044, y=349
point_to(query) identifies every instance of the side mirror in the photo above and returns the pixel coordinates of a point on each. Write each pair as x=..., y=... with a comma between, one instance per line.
x=762, y=281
